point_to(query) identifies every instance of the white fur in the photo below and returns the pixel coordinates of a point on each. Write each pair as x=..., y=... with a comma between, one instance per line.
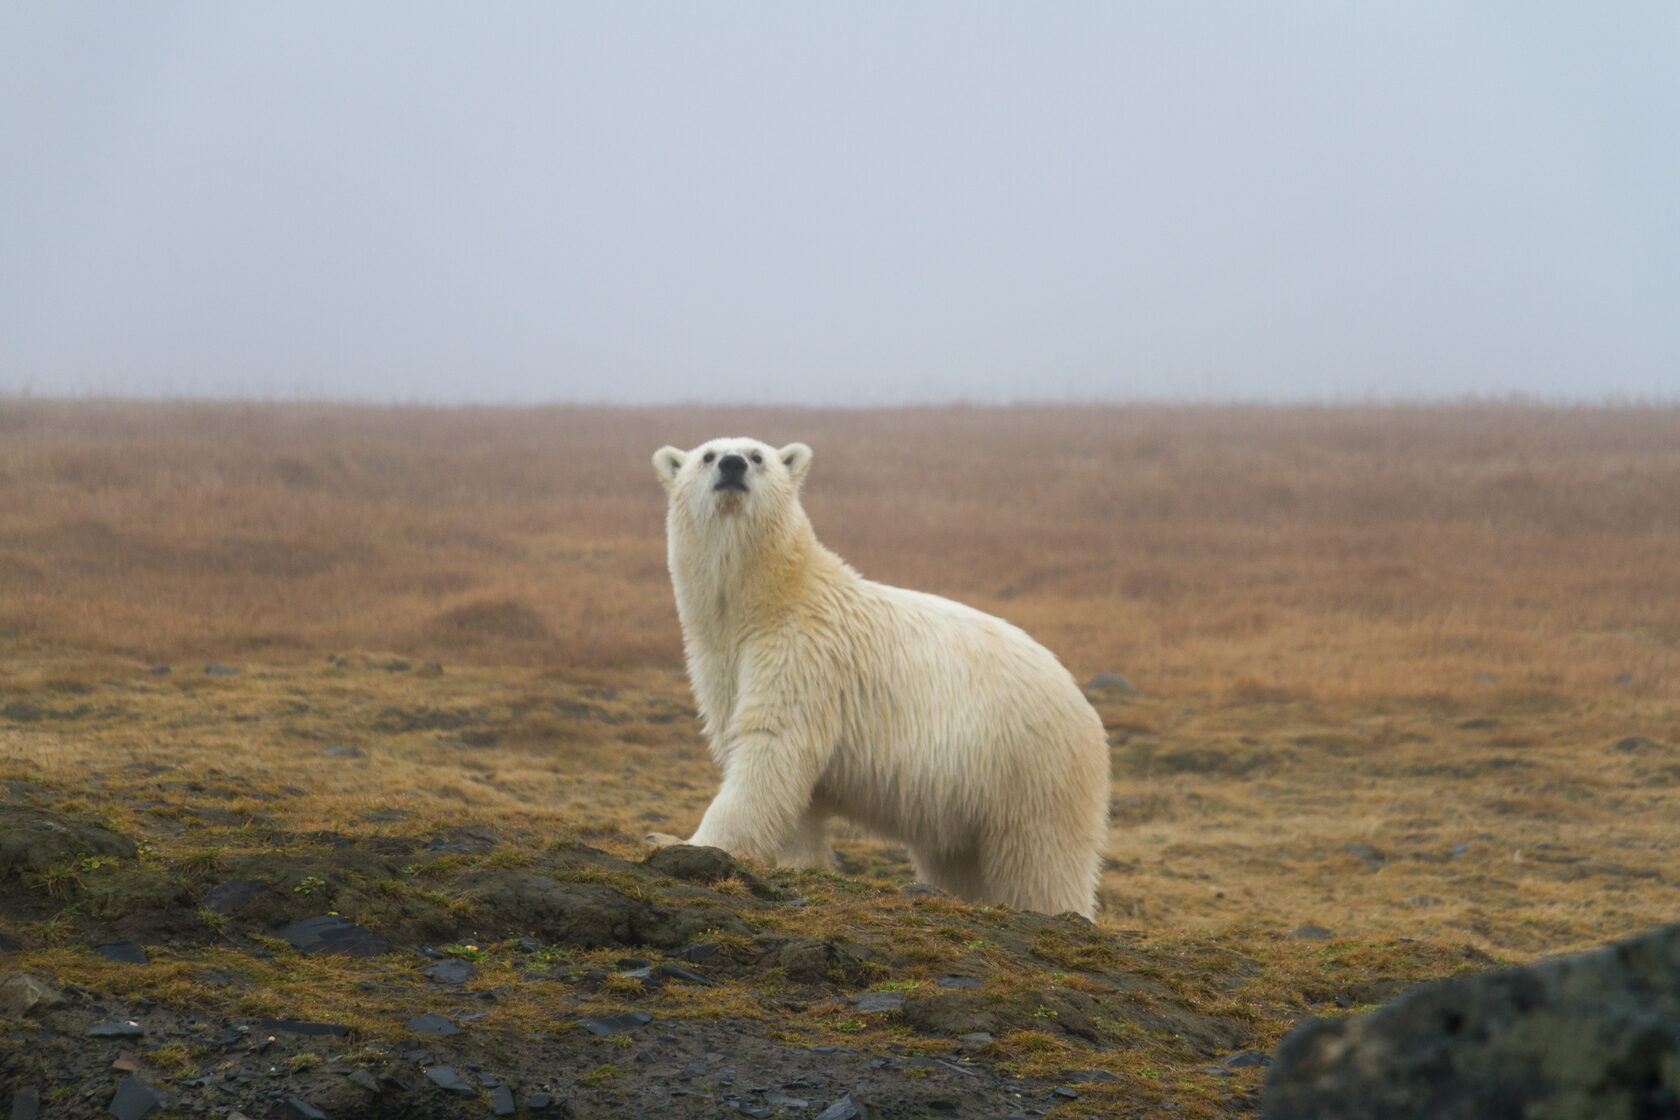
x=824, y=693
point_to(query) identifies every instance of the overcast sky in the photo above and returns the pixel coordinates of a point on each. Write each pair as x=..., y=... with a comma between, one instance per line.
x=840, y=203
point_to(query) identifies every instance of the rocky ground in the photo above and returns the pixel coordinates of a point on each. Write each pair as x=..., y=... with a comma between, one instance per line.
x=372, y=887
x=244, y=988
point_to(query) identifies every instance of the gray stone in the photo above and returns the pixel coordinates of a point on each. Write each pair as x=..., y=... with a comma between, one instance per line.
x=1369, y=856
x=958, y=982
x=501, y=1101
x=116, y=1030
x=846, y=1108
x=1595, y=1035
x=123, y=952
x=450, y=971
x=135, y=1099
x=22, y=994
x=330, y=933
x=878, y=1003
x=449, y=1081
x=215, y=669
x=1111, y=682
x=432, y=1024
x=294, y=1108
x=26, y=1104
x=618, y=1024
x=8, y=943
x=366, y=1080
x=228, y=897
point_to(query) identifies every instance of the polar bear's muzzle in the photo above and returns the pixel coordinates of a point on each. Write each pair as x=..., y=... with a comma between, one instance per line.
x=732, y=475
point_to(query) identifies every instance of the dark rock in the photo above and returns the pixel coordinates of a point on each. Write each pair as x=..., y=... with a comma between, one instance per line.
x=1246, y=1059
x=26, y=1103
x=228, y=897
x=1312, y=933
x=781, y=1100
x=1592, y=1035
x=957, y=982
x=706, y=866
x=1111, y=682
x=878, y=1003
x=1480, y=723
x=331, y=933
x=590, y=915
x=366, y=1080
x=420, y=1058
x=293, y=1108
x=1065, y=1093
x=135, y=1099
x=1638, y=744
x=501, y=1101
x=846, y=1108
x=160, y=670
x=449, y=1081
x=215, y=669
x=8, y=943
x=342, y=751
x=810, y=960
x=116, y=1030
x=23, y=994
x=618, y=1024
x=452, y=971
x=431, y=1023
x=33, y=840
x=1369, y=856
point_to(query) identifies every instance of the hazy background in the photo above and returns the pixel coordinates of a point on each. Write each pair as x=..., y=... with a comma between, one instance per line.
x=846, y=203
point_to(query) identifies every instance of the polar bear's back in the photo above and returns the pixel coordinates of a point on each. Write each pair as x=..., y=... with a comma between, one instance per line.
x=972, y=724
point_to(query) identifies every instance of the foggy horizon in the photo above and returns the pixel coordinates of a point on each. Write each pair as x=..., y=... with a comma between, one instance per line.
x=861, y=206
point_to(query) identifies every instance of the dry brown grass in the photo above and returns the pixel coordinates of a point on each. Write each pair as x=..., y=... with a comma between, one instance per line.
x=1244, y=552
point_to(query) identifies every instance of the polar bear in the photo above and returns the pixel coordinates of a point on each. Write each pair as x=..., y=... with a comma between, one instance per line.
x=823, y=693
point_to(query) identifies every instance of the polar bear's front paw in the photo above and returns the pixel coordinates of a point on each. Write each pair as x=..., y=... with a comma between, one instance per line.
x=661, y=840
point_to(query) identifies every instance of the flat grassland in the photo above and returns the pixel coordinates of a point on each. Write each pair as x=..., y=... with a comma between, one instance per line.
x=1408, y=678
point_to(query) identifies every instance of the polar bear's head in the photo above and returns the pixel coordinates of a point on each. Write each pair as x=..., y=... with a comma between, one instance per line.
x=733, y=478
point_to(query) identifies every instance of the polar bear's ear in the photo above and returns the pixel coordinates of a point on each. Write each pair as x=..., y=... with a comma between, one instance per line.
x=667, y=461
x=796, y=457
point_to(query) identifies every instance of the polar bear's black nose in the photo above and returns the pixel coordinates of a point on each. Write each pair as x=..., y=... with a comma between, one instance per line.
x=732, y=466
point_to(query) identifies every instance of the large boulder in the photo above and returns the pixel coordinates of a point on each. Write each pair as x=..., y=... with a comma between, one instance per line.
x=1595, y=1036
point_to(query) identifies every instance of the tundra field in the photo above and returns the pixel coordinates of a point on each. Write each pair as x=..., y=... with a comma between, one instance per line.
x=1407, y=703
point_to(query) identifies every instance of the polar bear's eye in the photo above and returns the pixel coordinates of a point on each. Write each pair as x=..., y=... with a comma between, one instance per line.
x=757, y=458
x=708, y=456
